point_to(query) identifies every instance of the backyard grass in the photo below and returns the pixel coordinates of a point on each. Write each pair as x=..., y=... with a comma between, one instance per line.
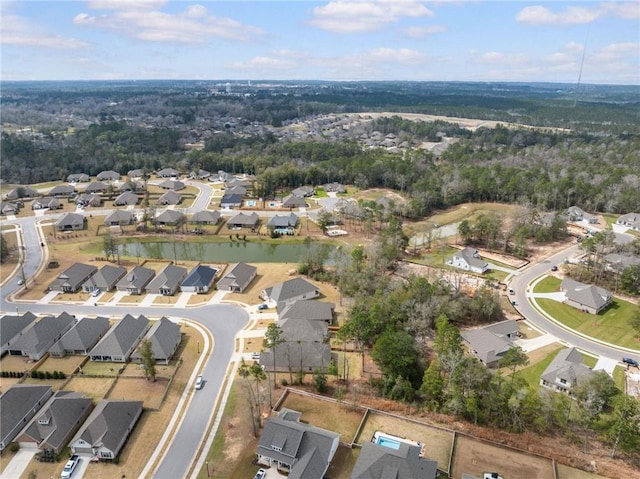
x=139, y=389
x=67, y=364
x=550, y=284
x=538, y=362
x=612, y=326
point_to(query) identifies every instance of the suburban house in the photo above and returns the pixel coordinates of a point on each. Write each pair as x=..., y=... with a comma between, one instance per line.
x=88, y=199
x=298, y=355
x=238, y=278
x=136, y=173
x=293, y=201
x=199, y=175
x=231, y=183
x=242, y=220
x=96, y=187
x=130, y=186
x=172, y=185
x=22, y=192
x=62, y=190
x=303, y=329
x=296, y=289
x=120, y=341
x=231, y=201
x=304, y=191
x=36, y=340
x=136, y=280
x=71, y=222
x=205, y=217
x=72, y=279
x=490, y=343
x=105, y=278
x=46, y=202
x=170, y=218
x=9, y=209
x=300, y=450
x=12, y=327
x=283, y=221
x=127, y=198
x=78, y=178
x=168, y=173
x=19, y=404
x=381, y=462
x=81, y=338
x=106, y=429
x=334, y=188
x=108, y=175
x=585, y=297
x=167, y=281
x=311, y=309
x=565, y=371
x=236, y=190
x=630, y=220
x=577, y=215
x=199, y=280
x=56, y=422
x=619, y=262
x=120, y=218
x=469, y=260
x=165, y=338
x=171, y=197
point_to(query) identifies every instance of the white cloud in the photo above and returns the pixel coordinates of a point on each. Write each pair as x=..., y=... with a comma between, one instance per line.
x=499, y=58
x=15, y=30
x=625, y=10
x=126, y=4
x=616, y=52
x=194, y=25
x=365, y=16
x=539, y=15
x=263, y=65
x=404, y=56
x=419, y=32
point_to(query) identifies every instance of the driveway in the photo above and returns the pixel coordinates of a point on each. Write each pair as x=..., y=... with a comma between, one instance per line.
x=18, y=464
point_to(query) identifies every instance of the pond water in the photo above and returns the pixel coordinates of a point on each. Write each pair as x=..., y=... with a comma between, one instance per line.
x=229, y=252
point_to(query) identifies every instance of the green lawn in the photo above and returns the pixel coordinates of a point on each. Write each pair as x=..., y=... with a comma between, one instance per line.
x=613, y=325
x=532, y=373
x=550, y=284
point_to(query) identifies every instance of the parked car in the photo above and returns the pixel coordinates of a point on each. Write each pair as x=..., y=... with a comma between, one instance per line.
x=21, y=281
x=263, y=306
x=554, y=268
x=95, y=293
x=630, y=362
x=70, y=466
x=511, y=291
x=260, y=474
x=199, y=382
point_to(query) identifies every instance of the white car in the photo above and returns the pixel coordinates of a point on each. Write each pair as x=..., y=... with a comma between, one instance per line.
x=95, y=293
x=69, y=467
x=199, y=382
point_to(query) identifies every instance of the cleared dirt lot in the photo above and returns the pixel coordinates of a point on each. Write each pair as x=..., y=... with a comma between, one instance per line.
x=475, y=457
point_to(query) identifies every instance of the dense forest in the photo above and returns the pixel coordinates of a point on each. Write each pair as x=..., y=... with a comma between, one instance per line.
x=587, y=154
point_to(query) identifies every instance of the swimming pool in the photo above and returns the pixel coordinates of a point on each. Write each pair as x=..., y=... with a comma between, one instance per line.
x=251, y=203
x=386, y=442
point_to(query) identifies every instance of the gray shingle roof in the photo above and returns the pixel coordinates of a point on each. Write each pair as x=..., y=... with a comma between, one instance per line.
x=303, y=329
x=585, y=294
x=168, y=173
x=108, y=175
x=293, y=201
x=70, y=219
x=566, y=365
x=307, y=355
x=10, y=326
x=121, y=338
x=169, y=278
x=58, y=419
x=169, y=217
x=110, y=423
x=291, y=289
x=62, y=190
x=105, y=278
x=380, y=462
x=137, y=278
x=82, y=336
x=205, y=216
x=283, y=221
x=200, y=275
x=36, y=340
x=164, y=336
x=308, y=449
x=233, y=199
x=487, y=346
x=119, y=217
x=95, y=187
x=237, y=277
x=309, y=309
x=15, y=404
x=126, y=198
x=171, y=197
x=172, y=185
x=242, y=219
x=73, y=277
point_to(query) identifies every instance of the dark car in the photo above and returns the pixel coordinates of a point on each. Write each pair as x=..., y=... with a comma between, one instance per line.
x=554, y=268
x=630, y=362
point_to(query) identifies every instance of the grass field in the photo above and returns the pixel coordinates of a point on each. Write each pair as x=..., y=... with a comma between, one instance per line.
x=538, y=362
x=550, y=284
x=612, y=326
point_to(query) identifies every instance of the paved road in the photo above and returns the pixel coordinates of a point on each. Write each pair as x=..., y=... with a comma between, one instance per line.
x=520, y=283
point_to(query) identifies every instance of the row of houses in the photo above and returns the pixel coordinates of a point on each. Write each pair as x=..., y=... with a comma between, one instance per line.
x=88, y=278
x=33, y=416
x=303, y=451
x=26, y=335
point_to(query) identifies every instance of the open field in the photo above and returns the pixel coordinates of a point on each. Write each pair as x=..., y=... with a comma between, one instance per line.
x=613, y=325
x=139, y=389
x=475, y=457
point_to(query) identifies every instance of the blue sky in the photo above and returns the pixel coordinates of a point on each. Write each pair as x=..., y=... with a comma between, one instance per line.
x=445, y=40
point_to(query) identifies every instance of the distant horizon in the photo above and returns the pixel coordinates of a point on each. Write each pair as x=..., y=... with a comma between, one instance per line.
x=513, y=41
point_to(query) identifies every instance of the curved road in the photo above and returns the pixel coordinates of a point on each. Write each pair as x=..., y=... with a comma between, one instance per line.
x=521, y=284
x=223, y=321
